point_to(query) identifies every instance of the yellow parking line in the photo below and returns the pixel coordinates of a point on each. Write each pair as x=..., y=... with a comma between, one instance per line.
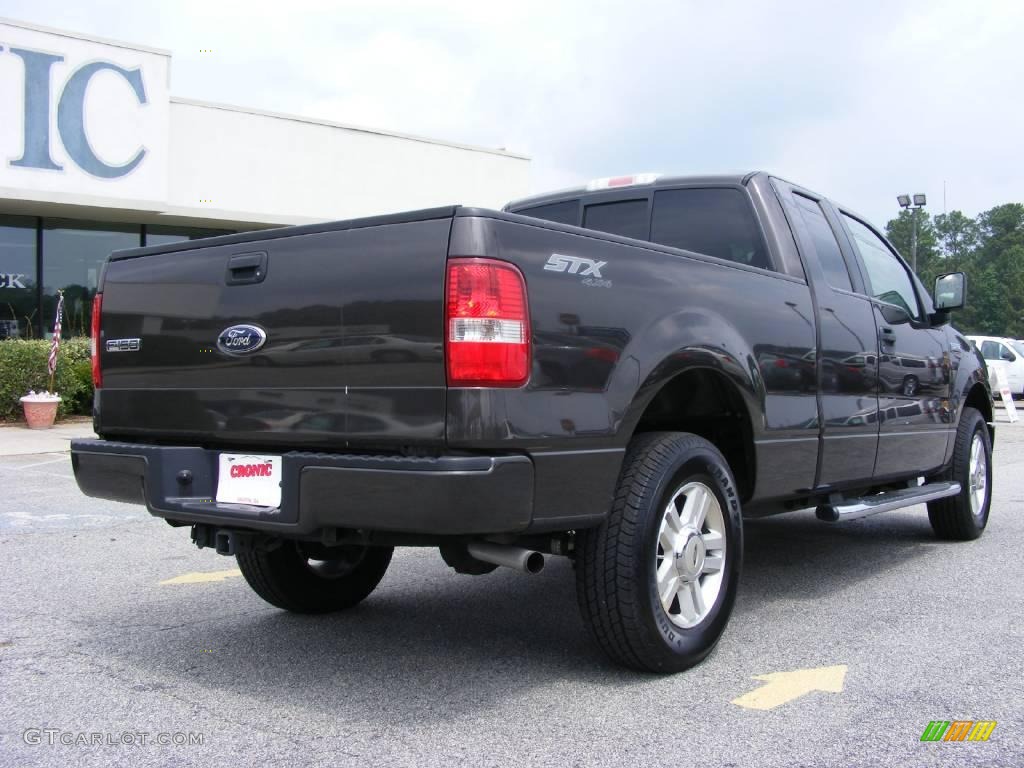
x=199, y=578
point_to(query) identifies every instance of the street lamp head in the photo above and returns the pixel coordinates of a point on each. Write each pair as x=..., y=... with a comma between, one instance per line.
x=919, y=199
x=903, y=200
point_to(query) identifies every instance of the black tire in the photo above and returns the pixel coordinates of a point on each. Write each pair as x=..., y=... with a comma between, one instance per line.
x=954, y=518
x=287, y=577
x=616, y=579
x=910, y=386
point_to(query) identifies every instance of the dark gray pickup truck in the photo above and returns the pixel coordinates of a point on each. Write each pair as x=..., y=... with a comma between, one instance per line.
x=617, y=374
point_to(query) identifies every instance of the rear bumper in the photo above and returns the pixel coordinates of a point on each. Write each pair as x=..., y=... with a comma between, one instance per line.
x=449, y=495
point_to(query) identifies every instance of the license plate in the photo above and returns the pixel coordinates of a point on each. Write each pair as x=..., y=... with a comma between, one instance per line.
x=248, y=479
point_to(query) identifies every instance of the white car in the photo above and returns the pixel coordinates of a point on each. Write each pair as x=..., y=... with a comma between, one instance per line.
x=1005, y=354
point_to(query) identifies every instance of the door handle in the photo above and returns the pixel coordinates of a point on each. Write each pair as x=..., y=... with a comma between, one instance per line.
x=246, y=268
x=886, y=335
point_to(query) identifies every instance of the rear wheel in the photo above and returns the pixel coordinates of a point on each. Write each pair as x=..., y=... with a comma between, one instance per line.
x=299, y=579
x=657, y=580
x=964, y=516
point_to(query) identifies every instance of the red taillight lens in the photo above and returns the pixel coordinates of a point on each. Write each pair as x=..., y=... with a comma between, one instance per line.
x=94, y=342
x=487, y=327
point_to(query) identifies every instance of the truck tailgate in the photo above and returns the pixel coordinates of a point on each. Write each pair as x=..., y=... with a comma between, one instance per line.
x=353, y=320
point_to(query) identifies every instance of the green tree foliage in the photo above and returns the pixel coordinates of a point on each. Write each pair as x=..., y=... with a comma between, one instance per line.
x=989, y=249
x=899, y=231
x=958, y=237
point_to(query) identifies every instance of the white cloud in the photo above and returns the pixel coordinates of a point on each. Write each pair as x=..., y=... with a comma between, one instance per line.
x=859, y=101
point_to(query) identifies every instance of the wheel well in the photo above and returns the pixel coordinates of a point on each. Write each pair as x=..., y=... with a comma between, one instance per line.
x=704, y=402
x=978, y=399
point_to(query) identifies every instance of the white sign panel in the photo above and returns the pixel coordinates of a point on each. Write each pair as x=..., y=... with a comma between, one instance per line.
x=81, y=118
x=1005, y=394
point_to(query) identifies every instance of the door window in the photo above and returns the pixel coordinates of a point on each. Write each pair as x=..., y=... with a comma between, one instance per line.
x=993, y=350
x=825, y=244
x=17, y=277
x=888, y=279
x=74, y=253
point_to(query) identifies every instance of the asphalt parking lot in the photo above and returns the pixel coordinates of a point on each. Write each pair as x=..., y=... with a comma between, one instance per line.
x=106, y=628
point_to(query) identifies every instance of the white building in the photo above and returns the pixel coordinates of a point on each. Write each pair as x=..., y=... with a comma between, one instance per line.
x=96, y=155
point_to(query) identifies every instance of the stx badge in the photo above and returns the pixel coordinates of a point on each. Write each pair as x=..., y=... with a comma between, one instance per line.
x=574, y=265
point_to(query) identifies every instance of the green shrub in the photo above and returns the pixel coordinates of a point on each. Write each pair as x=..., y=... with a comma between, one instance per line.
x=23, y=367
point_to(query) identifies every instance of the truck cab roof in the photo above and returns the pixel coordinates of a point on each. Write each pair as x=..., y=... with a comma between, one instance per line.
x=640, y=181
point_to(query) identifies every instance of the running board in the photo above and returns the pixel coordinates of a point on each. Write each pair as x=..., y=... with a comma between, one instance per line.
x=851, y=509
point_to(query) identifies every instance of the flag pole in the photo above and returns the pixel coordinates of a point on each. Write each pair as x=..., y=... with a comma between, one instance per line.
x=55, y=346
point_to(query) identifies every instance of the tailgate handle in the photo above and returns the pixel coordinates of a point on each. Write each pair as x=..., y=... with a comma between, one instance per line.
x=244, y=268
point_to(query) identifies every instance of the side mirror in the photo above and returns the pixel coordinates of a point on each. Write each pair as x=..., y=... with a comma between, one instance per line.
x=894, y=315
x=1008, y=356
x=950, y=291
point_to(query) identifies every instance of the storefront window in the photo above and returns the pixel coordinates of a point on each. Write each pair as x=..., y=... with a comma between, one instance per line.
x=73, y=256
x=17, y=276
x=157, y=234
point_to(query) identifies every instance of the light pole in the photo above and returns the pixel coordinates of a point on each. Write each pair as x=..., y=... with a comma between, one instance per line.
x=919, y=201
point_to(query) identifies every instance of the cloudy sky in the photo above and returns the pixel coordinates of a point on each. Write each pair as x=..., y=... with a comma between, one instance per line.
x=860, y=101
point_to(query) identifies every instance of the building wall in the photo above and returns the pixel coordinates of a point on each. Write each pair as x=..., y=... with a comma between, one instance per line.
x=90, y=124
x=83, y=121
x=96, y=155
x=273, y=166
x=268, y=166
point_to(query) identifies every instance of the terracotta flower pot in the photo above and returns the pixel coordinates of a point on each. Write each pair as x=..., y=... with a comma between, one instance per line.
x=40, y=414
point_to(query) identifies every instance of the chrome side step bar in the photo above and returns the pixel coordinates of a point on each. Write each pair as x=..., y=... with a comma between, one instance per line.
x=851, y=509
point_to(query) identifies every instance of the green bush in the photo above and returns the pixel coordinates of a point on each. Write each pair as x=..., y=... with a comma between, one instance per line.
x=23, y=367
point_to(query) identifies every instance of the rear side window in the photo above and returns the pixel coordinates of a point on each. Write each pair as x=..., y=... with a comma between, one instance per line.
x=825, y=244
x=567, y=212
x=716, y=222
x=626, y=217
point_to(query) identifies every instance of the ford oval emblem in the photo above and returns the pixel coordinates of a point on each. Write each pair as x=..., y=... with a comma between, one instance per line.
x=241, y=339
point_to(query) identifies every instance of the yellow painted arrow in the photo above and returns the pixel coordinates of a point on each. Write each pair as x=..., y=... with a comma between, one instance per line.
x=198, y=578
x=783, y=687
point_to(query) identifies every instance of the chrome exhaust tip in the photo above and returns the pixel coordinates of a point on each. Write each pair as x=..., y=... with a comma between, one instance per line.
x=525, y=560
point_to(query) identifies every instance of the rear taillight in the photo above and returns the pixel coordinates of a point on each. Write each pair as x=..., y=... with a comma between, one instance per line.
x=94, y=342
x=487, y=326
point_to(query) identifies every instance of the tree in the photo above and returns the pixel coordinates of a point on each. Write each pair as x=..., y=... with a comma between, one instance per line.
x=1002, y=222
x=988, y=249
x=900, y=233
x=958, y=237
x=999, y=264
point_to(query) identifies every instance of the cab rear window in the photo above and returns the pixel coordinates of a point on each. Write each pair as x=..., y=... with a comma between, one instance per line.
x=627, y=218
x=718, y=222
x=567, y=212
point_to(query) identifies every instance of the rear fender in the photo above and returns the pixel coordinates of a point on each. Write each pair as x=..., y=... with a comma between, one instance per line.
x=683, y=341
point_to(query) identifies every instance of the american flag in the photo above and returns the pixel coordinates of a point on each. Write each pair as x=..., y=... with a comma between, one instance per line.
x=51, y=364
